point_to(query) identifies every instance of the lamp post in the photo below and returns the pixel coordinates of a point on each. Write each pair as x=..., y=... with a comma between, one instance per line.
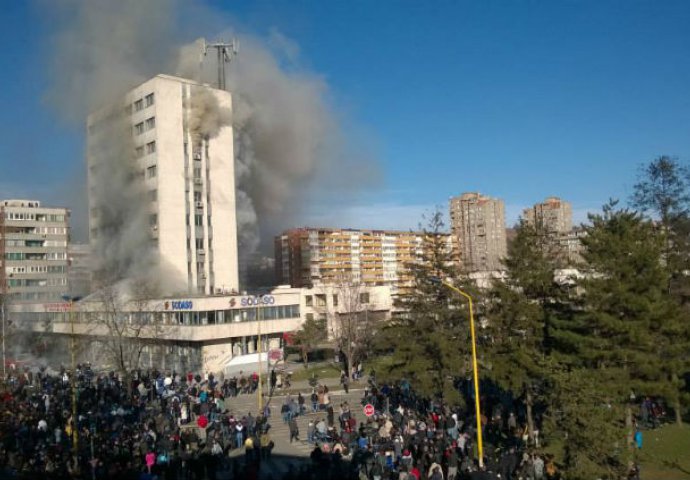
x=73, y=379
x=480, y=448
x=260, y=399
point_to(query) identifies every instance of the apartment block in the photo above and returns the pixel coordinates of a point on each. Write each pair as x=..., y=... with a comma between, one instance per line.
x=306, y=257
x=33, y=246
x=479, y=230
x=552, y=216
x=183, y=155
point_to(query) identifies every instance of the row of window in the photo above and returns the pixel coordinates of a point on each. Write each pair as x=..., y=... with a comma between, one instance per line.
x=145, y=126
x=38, y=269
x=141, y=104
x=147, y=149
x=36, y=256
x=36, y=282
x=319, y=300
x=36, y=243
x=211, y=317
x=38, y=217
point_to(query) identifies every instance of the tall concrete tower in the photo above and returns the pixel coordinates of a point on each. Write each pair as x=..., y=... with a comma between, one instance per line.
x=175, y=200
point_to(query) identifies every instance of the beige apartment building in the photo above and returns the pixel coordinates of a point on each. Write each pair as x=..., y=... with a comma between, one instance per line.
x=307, y=257
x=479, y=229
x=33, y=251
x=552, y=216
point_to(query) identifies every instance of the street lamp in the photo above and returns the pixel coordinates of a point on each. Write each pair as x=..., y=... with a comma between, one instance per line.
x=474, y=365
x=73, y=378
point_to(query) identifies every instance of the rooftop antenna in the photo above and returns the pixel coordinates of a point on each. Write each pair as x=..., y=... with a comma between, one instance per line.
x=225, y=52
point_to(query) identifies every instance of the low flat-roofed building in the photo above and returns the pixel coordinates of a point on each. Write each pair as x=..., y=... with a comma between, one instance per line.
x=195, y=333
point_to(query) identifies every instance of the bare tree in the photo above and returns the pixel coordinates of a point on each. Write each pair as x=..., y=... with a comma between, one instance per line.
x=352, y=323
x=123, y=325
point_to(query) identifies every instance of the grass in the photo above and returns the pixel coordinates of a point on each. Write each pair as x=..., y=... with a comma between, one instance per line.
x=322, y=371
x=665, y=453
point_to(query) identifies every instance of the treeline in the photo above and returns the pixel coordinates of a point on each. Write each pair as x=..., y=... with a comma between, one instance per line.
x=585, y=348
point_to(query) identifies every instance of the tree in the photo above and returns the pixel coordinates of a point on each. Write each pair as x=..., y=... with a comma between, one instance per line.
x=353, y=326
x=312, y=333
x=429, y=344
x=662, y=189
x=122, y=325
x=663, y=193
x=625, y=313
x=519, y=314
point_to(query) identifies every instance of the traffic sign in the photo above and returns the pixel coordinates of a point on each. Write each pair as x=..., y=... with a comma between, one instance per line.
x=369, y=410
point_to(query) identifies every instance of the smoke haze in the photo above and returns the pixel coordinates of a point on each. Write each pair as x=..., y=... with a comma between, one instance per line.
x=289, y=143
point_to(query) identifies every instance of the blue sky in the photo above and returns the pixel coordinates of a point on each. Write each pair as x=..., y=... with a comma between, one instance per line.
x=516, y=99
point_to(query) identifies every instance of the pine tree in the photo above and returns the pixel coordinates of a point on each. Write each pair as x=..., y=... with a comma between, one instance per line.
x=625, y=315
x=313, y=332
x=519, y=315
x=663, y=193
x=428, y=344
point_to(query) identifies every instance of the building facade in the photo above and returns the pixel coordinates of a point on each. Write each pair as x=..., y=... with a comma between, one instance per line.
x=197, y=333
x=307, y=257
x=180, y=140
x=479, y=229
x=552, y=216
x=33, y=246
x=79, y=269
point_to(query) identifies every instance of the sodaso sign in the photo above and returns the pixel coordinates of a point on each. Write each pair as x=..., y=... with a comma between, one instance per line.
x=259, y=300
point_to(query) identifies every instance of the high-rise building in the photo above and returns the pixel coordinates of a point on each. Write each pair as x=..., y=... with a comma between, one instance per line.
x=306, y=257
x=33, y=251
x=478, y=226
x=79, y=269
x=552, y=216
x=179, y=140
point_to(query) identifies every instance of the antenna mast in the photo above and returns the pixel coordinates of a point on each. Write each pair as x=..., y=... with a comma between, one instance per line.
x=224, y=52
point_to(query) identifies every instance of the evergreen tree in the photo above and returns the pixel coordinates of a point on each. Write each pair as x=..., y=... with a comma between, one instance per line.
x=312, y=333
x=663, y=193
x=519, y=315
x=428, y=344
x=625, y=314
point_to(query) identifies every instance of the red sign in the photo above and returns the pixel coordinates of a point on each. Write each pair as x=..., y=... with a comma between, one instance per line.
x=56, y=307
x=368, y=410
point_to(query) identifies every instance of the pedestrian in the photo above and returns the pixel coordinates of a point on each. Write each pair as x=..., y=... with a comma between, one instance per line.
x=345, y=381
x=248, y=450
x=294, y=429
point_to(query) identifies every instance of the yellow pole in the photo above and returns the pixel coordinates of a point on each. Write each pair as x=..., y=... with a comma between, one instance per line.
x=259, y=390
x=480, y=448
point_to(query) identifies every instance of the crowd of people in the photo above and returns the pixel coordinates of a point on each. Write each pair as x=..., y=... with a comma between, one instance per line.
x=149, y=425
x=143, y=425
x=411, y=438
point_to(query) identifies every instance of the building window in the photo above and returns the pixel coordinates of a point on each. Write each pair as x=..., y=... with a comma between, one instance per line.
x=149, y=99
x=153, y=220
x=198, y=220
x=139, y=152
x=153, y=195
x=151, y=171
x=151, y=147
x=335, y=300
x=199, y=243
x=150, y=123
x=364, y=298
x=309, y=301
x=138, y=105
x=320, y=300
x=139, y=128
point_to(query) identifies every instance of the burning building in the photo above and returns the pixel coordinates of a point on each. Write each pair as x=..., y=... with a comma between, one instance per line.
x=161, y=180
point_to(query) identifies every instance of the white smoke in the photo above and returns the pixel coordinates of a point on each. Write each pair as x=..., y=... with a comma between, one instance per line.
x=287, y=136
